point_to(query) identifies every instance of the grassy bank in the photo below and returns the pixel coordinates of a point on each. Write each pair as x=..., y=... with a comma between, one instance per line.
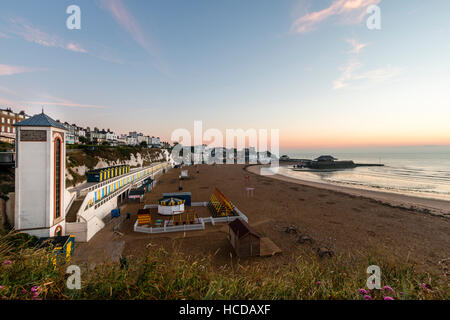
x=28, y=273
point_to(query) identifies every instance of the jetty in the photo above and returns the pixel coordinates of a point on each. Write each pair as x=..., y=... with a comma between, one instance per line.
x=327, y=162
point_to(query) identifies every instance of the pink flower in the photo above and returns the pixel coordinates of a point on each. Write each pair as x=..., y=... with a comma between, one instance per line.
x=35, y=289
x=35, y=294
x=8, y=262
x=388, y=288
x=24, y=291
x=367, y=297
x=318, y=283
x=401, y=293
x=1, y=287
x=388, y=298
x=362, y=291
x=426, y=286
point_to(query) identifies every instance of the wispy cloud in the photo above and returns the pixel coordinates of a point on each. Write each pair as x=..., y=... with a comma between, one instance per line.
x=349, y=11
x=351, y=73
x=127, y=21
x=8, y=91
x=55, y=101
x=25, y=30
x=10, y=103
x=75, y=47
x=44, y=100
x=8, y=70
x=356, y=45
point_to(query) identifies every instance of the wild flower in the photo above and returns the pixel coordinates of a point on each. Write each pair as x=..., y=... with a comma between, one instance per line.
x=426, y=286
x=35, y=289
x=1, y=287
x=318, y=283
x=367, y=297
x=363, y=291
x=388, y=298
x=387, y=288
x=24, y=291
x=8, y=262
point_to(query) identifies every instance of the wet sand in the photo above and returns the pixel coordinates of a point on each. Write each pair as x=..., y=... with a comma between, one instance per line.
x=345, y=223
x=424, y=205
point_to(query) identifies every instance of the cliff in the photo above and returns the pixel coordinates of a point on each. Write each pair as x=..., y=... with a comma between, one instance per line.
x=81, y=159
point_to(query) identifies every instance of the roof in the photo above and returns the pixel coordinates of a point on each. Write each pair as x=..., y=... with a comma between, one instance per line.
x=40, y=120
x=241, y=228
x=170, y=202
x=326, y=158
x=57, y=241
x=175, y=194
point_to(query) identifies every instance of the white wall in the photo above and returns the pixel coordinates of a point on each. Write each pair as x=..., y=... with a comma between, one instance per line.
x=32, y=184
x=34, y=188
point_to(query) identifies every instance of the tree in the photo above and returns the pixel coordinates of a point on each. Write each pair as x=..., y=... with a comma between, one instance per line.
x=83, y=140
x=143, y=144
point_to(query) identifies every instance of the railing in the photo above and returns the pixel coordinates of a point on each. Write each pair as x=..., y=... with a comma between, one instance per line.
x=190, y=227
x=75, y=195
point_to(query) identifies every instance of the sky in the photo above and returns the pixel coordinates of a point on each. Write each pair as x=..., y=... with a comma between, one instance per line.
x=310, y=68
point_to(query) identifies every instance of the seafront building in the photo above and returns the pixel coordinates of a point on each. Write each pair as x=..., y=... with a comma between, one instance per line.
x=7, y=120
x=76, y=134
x=44, y=207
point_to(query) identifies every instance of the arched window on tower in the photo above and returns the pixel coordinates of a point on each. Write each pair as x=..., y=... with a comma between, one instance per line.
x=58, y=173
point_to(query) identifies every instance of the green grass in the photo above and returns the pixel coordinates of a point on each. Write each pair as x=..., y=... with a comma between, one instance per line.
x=5, y=146
x=174, y=276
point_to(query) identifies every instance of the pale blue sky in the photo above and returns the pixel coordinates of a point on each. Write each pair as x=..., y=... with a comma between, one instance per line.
x=155, y=66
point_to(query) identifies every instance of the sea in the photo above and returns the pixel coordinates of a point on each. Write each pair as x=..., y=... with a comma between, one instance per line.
x=415, y=171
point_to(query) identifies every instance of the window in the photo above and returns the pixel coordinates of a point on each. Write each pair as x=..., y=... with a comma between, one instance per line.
x=8, y=120
x=3, y=120
x=58, y=178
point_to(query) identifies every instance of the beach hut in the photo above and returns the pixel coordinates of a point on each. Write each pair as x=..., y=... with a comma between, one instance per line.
x=136, y=194
x=245, y=241
x=62, y=248
x=170, y=206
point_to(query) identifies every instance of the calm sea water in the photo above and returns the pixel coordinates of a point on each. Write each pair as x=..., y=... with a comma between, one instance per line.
x=423, y=172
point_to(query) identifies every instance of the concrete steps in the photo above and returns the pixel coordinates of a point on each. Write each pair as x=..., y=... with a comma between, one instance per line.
x=74, y=208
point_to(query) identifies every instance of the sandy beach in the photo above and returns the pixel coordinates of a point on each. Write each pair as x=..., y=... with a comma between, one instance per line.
x=347, y=223
x=424, y=205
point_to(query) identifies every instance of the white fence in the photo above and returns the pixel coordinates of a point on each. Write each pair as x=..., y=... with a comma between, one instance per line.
x=189, y=227
x=179, y=228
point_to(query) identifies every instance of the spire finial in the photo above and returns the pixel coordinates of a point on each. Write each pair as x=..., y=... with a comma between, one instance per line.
x=42, y=109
